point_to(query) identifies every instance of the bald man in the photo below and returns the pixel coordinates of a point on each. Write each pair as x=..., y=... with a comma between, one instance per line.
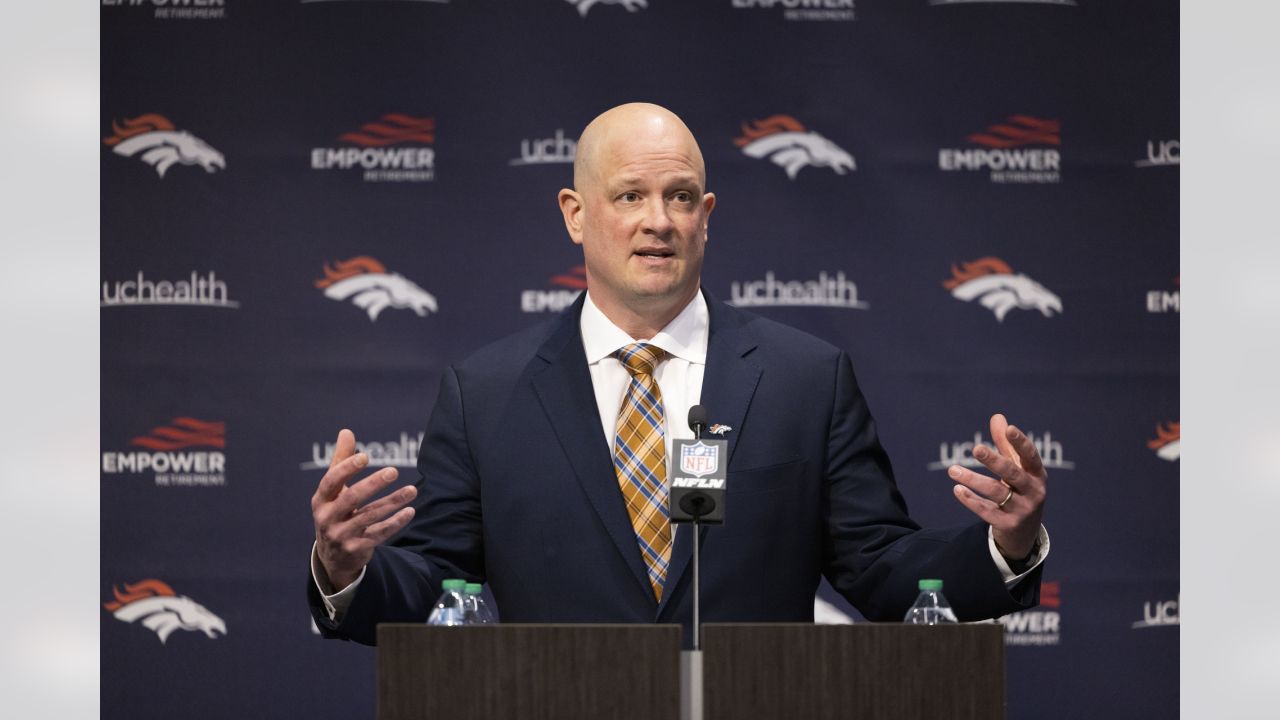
x=543, y=468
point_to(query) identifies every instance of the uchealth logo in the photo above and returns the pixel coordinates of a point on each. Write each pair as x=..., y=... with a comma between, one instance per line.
x=367, y=284
x=961, y=452
x=584, y=6
x=992, y=283
x=174, y=454
x=786, y=143
x=177, y=9
x=834, y=291
x=155, y=606
x=547, y=151
x=1159, y=613
x=1003, y=151
x=401, y=452
x=1166, y=301
x=394, y=148
x=155, y=140
x=1167, y=443
x=804, y=10
x=1161, y=153
x=196, y=290
x=1039, y=626
x=566, y=287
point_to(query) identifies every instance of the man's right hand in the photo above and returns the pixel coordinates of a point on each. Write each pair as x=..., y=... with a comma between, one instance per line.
x=347, y=530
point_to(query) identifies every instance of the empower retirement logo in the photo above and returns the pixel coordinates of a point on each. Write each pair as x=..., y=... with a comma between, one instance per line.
x=176, y=9
x=187, y=452
x=1018, y=150
x=1040, y=626
x=394, y=148
x=566, y=287
x=802, y=10
x=1166, y=300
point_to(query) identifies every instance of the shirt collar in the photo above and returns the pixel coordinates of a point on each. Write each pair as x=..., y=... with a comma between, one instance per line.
x=684, y=337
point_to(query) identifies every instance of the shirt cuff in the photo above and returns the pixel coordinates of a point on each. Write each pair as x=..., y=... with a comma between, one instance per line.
x=336, y=604
x=1010, y=577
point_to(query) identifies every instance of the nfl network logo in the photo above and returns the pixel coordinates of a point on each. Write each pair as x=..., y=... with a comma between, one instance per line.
x=699, y=459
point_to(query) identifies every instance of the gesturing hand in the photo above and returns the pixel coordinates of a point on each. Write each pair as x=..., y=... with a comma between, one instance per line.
x=348, y=529
x=1013, y=503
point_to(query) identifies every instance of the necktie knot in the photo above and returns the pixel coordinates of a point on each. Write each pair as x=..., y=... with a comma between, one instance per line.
x=640, y=358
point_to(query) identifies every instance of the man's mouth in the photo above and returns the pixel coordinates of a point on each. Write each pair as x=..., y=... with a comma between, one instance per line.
x=654, y=253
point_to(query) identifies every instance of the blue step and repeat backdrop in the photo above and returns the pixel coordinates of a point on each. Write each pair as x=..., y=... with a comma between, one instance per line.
x=310, y=209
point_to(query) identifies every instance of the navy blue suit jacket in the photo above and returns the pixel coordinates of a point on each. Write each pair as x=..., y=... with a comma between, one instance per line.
x=517, y=489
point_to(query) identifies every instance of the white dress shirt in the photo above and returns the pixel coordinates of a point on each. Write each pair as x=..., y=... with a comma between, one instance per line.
x=679, y=378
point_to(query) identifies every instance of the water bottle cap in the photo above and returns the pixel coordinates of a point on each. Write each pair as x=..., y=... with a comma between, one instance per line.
x=473, y=588
x=453, y=584
x=931, y=584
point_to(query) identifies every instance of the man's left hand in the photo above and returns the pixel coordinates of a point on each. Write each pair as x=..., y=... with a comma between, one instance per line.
x=1013, y=501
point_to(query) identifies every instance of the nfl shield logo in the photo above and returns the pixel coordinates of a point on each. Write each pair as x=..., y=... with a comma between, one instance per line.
x=699, y=459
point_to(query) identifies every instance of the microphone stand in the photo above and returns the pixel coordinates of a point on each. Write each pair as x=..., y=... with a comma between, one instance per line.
x=698, y=507
x=691, y=661
x=697, y=573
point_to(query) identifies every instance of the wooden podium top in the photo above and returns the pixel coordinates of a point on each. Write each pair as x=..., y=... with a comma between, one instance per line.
x=619, y=672
x=867, y=671
x=538, y=672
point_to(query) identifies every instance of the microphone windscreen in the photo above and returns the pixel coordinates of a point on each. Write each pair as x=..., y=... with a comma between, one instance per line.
x=697, y=417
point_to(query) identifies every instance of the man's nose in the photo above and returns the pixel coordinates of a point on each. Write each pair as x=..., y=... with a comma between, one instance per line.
x=656, y=218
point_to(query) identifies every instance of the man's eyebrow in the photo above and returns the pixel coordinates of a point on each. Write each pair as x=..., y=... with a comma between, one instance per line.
x=631, y=180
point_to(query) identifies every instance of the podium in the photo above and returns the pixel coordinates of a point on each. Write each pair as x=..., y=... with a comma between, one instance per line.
x=528, y=672
x=864, y=671
x=750, y=672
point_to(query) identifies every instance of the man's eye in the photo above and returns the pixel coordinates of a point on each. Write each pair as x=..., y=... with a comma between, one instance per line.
x=683, y=197
x=629, y=197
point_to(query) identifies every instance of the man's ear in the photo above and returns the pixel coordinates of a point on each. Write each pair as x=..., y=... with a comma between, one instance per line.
x=571, y=207
x=708, y=204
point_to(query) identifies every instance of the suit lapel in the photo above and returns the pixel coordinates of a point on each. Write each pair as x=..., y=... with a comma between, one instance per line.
x=565, y=392
x=728, y=384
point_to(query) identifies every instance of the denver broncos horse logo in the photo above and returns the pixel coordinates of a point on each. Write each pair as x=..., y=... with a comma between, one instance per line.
x=782, y=139
x=992, y=283
x=161, y=144
x=369, y=285
x=631, y=5
x=162, y=610
x=1168, y=442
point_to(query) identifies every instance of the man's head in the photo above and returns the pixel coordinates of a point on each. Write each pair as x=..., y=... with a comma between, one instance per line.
x=639, y=210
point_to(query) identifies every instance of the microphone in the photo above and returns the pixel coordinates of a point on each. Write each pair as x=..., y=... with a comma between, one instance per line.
x=698, y=475
x=697, y=420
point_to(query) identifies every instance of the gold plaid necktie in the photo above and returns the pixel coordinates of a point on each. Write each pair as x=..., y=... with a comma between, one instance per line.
x=640, y=459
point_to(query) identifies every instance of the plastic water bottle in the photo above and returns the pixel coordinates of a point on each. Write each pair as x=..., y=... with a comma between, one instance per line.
x=449, y=609
x=475, y=611
x=930, y=607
